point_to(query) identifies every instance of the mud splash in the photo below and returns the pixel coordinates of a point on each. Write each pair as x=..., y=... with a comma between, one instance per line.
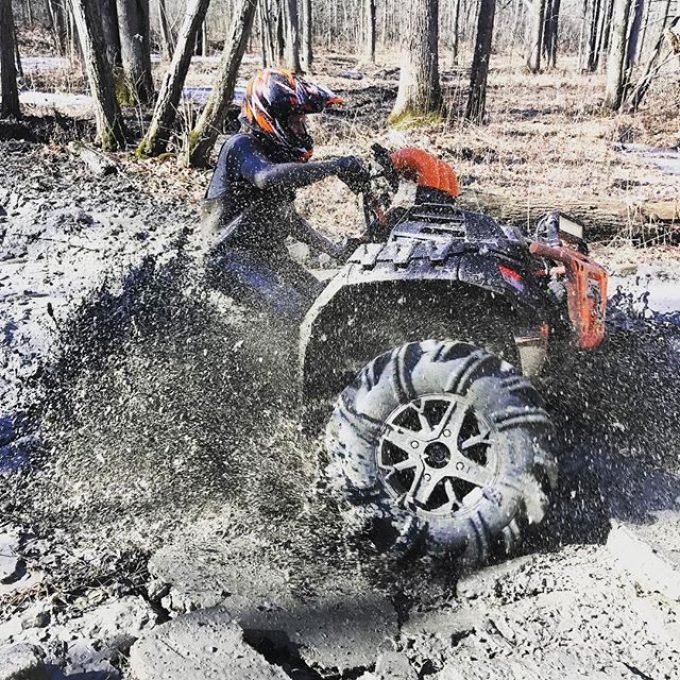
x=171, y=450
x=616, y=412
x=168, y=403
x=160, y=403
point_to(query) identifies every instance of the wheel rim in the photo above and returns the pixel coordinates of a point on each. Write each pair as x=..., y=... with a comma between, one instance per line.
x=435, y=455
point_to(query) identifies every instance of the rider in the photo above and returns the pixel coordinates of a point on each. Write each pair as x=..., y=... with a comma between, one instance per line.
x=249, y=202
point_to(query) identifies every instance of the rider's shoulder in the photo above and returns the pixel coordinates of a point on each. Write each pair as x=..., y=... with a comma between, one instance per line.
x=243, y=142
x=235, y=145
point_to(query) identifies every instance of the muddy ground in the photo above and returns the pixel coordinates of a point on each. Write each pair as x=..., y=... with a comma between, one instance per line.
x=169, y=471
x=542, y=132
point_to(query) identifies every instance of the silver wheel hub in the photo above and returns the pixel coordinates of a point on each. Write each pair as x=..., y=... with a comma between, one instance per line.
x=435, y=455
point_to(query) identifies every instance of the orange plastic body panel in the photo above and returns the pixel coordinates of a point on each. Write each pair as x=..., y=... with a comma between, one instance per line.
x=586, y=292
x=428, y=170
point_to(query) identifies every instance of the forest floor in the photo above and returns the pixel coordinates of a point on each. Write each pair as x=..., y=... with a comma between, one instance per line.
x=151, y=495
x=543, y=131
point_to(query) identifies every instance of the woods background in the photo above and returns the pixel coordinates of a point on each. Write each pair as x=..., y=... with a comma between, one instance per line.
x=634, y=42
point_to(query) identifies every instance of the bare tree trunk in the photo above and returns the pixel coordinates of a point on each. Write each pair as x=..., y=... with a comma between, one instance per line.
x=455, y=41
x=262, y=30
x=368, y=32
x=292, y=36
x=202, y=137
x=546, y=28
x=605, y=37
x=551, y=32
x=329, y=31
x=265, y=10
x=419, y=91
x=638, y=9
x=384, y=32
x=110, y=133
x=475, y=23
x=201, y=41
x=167, y=38
x=651, y=70
x=667, y=15
x=204, y=39
x=17, y=56
x=58, y=24
x=280, y=31
x=602, y=38
x=72, y=38
x=156, y=140
x=198, y=43
x=641, y=42
x=476, y=104
x=109, y=17
x=592, y=42
x=581, y=36
x=8, y=75
x=133, y=18
x=536, y=36
x=518, y=8
x=617, y=54
x=307, y=32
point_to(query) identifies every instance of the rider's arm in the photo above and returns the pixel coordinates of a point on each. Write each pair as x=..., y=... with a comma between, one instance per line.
x=257, y=169
x=303, y=231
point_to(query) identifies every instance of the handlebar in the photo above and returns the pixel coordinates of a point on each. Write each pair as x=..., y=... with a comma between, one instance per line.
x=376, y=201
x=382, y=158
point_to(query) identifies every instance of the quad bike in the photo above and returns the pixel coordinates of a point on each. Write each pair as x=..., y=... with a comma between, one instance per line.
x=429, y=334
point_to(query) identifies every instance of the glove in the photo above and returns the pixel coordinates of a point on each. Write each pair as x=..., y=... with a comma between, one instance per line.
x=352, y=172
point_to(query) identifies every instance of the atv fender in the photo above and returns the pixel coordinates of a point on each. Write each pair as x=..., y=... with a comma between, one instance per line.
x=428, y=170
x=378, y=280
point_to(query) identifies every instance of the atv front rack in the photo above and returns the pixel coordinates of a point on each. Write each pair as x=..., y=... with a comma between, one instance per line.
x=586, y=291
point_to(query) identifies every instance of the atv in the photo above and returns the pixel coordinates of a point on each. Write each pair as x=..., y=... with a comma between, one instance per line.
x=430, y=334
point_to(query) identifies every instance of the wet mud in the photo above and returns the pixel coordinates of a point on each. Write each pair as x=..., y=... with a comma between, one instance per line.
x=159, y=400
x=169, y=430
x=167, y=401
x=166, y=457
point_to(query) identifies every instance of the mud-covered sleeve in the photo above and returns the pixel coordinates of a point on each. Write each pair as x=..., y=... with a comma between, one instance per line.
x=263, y=174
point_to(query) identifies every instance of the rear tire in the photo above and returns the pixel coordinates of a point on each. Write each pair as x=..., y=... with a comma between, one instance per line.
x=444, y=447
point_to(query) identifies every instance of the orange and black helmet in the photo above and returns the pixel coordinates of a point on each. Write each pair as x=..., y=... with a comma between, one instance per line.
x=272, y=108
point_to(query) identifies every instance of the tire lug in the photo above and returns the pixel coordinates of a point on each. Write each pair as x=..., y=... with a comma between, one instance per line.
x=459, y=465
x=447, y=433
x=426, y=477
x=414, y=444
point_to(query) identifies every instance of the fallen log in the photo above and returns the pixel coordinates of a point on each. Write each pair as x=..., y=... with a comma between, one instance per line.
x=602, y=220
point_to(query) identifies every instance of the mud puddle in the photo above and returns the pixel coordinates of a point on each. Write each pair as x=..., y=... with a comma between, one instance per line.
x=651, y=292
